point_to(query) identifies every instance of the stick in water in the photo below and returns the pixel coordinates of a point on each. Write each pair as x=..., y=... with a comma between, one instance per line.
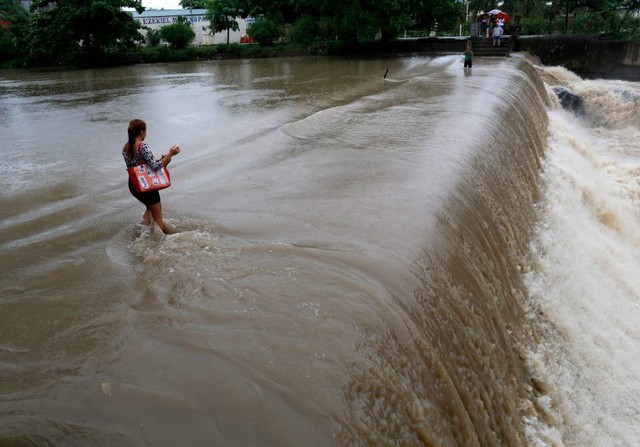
x=385, y=74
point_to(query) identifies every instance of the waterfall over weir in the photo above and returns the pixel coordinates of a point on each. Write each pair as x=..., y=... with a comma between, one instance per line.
x=451, y=372
x=348, y=267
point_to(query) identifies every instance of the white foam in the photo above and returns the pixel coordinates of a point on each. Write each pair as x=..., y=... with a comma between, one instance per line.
x=585, y=279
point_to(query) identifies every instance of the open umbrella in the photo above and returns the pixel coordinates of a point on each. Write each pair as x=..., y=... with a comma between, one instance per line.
x=501, y=15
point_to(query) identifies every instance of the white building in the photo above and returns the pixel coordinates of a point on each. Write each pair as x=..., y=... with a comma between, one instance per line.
x=156, y=19
x=26, y=4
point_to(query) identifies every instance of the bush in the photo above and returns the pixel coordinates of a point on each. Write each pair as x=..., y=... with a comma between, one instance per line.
x=609, y=22
x=209, y=52
x=535, y=26
x=7, y=45
x=178, y=35
x=620, y=27
x=264, y=31
x=153, y=37
x=630, y=28
x=305, y=31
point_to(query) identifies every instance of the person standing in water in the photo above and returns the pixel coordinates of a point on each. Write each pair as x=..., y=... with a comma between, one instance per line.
x=468, y=56
x=136, y=152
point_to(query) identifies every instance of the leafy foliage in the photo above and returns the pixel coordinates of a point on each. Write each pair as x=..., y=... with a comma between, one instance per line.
x=81, y=30
x=13, y=30
x=264, y=31
x=154, y=37
x=178, y=35
x=193, y=4
x=92, y=31
x=222, y=15
x=306, y=30
x=615, y=18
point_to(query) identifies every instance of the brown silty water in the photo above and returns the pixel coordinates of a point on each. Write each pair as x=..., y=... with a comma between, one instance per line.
x=345, y=271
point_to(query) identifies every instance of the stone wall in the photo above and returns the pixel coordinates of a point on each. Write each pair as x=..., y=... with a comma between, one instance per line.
x=587, y=55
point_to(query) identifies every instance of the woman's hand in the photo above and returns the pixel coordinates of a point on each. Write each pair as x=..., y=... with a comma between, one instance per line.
x=175, y=150
x=167, y=158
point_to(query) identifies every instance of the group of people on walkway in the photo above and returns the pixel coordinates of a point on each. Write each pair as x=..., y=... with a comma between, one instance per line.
x=492, y=26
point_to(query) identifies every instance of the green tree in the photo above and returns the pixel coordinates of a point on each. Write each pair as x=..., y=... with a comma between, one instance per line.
x=446, y=15
x=222, y=16
x=82, y=30
x=306, y=30
x=14, y=23
x=193, y=4
x=178, y=35
x=153, y=37
x=282, y=11
x=354, y=20
x=264, y=31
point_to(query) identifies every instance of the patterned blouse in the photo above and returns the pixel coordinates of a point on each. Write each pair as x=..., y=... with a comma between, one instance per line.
x=147, y=157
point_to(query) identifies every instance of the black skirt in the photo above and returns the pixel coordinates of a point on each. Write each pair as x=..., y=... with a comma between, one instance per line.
x=148, y=198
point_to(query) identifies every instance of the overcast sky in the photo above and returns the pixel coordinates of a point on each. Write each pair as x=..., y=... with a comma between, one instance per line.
x=159, y=4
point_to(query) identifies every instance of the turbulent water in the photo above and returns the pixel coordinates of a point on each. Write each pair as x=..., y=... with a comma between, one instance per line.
x=585, y=259
x=439, y=257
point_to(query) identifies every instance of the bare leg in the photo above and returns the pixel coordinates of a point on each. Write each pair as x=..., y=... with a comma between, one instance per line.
x=156, y=212
x=147, y=217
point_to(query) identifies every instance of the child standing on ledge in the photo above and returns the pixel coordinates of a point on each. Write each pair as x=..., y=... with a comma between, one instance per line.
x=497, y=32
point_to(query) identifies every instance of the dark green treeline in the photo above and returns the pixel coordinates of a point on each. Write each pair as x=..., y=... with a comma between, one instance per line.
x=101, y=32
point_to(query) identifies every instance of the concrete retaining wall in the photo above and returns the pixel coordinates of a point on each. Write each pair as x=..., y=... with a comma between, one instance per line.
x=587, y=55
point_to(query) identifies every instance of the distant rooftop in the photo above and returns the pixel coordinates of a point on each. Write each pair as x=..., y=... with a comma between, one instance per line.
x=167, y=13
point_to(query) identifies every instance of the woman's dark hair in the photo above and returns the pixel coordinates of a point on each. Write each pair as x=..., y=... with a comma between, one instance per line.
x=136, y=127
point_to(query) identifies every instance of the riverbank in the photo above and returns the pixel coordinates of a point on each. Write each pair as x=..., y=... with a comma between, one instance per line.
x=590, y=56
x=149, y=55
x=400, y=47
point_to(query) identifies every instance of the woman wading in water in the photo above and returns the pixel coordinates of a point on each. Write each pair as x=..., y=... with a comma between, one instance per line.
x=136, y=152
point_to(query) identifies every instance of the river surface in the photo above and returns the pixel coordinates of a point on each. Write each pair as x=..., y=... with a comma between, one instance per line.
x=439, y=257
